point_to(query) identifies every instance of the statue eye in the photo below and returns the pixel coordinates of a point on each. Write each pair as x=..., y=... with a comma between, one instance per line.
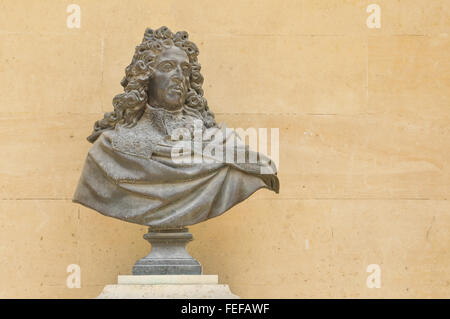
x=165, y=67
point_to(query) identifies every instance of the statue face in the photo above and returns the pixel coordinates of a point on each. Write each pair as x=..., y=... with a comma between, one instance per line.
x=170, y=81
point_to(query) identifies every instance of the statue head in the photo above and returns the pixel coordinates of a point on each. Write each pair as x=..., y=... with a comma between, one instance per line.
x=169, y=82
x=164, y=73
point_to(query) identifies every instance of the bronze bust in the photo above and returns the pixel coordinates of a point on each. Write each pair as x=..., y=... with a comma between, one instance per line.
x=130, y=172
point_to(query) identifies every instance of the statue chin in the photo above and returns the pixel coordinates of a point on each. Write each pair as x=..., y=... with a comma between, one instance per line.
x=174, y=107
x=169, y=108
x=170, y=104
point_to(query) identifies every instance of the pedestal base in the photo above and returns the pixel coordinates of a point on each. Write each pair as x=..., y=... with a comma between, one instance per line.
x=167, y=287
x=168, y=255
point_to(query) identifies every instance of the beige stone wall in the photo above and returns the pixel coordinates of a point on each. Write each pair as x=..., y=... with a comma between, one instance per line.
x=364, y=119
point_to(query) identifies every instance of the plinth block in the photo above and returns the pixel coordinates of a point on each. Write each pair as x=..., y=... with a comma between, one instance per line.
x=166, y=292
x=167, y=287
x=167, y=279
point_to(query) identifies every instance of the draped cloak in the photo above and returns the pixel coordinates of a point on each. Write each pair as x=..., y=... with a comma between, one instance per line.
x=130, y=174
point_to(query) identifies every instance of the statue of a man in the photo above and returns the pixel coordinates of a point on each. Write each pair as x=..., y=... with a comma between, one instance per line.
x=131, y=173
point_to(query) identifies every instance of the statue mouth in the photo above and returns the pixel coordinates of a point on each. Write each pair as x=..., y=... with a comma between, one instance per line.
x=177, y=89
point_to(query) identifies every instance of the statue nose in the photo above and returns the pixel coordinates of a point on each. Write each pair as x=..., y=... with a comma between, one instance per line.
x=177, y=72
x=177, y=79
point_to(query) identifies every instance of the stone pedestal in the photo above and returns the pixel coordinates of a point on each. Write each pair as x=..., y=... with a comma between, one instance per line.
x=168, y=255
x=167, y=287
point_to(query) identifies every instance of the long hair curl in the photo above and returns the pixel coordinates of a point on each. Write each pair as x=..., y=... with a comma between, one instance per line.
x=130, y=105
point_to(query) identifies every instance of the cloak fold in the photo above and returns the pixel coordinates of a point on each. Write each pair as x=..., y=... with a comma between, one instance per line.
x=157, y=192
